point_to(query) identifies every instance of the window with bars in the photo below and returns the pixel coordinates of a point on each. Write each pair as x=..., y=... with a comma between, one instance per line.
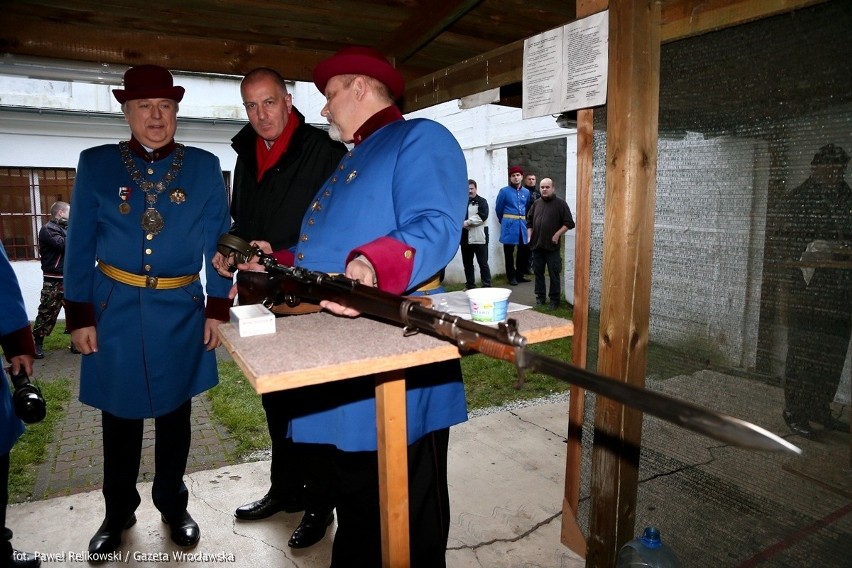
x=26, y=195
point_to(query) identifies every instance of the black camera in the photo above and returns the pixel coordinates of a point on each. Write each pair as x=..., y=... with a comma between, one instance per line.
x=29, y=402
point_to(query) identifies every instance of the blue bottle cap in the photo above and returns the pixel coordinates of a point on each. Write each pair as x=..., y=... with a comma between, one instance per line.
x=651, y=537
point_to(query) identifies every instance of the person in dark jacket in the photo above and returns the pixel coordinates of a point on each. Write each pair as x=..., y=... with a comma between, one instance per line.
x=51, y=246
x=548, y=219
x=281, y=162
x=816, y=235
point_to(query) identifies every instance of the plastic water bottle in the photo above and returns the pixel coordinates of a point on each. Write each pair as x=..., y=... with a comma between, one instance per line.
x=646, y=551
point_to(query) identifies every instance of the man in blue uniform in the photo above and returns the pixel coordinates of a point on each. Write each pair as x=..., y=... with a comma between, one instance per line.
x=147, y=213
x=16, y=338
x=379, y=220
x=281, y=162
x=511, y=211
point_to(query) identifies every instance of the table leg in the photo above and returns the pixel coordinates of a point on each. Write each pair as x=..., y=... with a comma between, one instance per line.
x=393, y=467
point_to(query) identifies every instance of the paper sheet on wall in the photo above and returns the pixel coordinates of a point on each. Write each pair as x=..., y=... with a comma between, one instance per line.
x=566, y=68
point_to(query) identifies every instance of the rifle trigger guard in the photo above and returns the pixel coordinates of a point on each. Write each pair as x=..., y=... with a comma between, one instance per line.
x=409, y=330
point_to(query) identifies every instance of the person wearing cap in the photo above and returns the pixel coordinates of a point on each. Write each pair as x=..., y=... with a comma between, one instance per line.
x=384, y=219
x=817, y=226
x=16, y=339
x=281, y=162
x=148, y=211
x=51, y=249
x=511, y=211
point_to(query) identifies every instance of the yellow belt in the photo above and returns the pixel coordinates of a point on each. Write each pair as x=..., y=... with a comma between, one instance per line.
x=153, y=282
x=507, y=216
x=431, y=285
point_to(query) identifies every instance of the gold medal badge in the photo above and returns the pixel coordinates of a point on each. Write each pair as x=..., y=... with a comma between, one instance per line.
x=124, y=195
x=177, y=195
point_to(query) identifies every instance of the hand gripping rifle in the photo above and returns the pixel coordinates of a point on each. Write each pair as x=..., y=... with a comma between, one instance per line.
x=292, y=285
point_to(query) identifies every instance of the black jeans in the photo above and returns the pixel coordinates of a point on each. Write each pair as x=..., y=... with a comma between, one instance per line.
x=552, y=260
x=481, y=253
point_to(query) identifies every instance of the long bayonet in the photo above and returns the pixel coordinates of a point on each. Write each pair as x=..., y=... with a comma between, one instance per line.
x=292, y=285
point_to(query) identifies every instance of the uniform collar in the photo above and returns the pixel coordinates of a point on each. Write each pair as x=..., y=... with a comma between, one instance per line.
x=382, y=118
x=158, y=154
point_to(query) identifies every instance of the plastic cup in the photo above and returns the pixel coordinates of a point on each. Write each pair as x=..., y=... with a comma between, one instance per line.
x=488, y=305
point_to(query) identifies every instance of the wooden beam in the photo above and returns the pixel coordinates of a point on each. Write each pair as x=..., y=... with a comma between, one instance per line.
x=502, y=66
x=631, y=158
x=428, y=22
x=63, y=40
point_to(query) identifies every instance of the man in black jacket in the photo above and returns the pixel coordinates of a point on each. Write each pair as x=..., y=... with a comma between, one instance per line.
x=51, y=246
x=281, y=163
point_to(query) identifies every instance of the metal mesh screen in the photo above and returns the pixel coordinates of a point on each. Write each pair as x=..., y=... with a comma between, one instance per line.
x=751, y=301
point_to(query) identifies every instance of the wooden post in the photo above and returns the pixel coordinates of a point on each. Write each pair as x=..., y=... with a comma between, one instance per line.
x=632, y=118
x=393, y=467
x=571, y=535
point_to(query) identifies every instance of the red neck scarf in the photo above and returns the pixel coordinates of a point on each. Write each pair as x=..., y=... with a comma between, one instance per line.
x=268, y=157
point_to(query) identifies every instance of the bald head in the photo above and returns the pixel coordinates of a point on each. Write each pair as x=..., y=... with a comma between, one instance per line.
x=546, y=188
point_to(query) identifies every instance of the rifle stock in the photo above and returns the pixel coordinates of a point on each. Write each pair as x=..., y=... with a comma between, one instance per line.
x=293, y=285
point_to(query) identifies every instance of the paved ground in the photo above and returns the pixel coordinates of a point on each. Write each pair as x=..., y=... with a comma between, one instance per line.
x=75, y=461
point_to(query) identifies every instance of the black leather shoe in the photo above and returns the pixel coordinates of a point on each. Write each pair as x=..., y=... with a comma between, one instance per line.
x=311, y=530
x=39, y=354
x=108, y=537
x=522, y=279
x=183, y=529
x=21, y=559
x=513, y=282
x=267, y=506
x=798, y=425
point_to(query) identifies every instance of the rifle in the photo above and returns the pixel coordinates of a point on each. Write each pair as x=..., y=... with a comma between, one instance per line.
x=290, y=286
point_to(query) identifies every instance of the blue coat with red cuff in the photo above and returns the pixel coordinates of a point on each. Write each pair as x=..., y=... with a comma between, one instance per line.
x=16, y=338
x=398, y=198
x=151, y=357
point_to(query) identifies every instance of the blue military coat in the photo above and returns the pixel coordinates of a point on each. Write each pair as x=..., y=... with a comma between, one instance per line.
x=399, y=198
x=151, y=357
x=13, y=317
x=511, y=211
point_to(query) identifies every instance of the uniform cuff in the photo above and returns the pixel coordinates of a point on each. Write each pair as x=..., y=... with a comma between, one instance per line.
x=392, y=260
x=78, y=315
x=19, y=342
x=218, y=308
x=284, y=256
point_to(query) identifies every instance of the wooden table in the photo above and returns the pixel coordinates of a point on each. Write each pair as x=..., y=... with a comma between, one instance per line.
x=321, y=348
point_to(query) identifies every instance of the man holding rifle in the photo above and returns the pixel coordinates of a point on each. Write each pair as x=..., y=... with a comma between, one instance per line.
x=376, y=220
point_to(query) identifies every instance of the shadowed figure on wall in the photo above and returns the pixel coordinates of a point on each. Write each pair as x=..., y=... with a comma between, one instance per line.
x=816, y=237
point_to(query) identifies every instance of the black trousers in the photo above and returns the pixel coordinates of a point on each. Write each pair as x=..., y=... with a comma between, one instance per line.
x=296, y=469
x=123, y=451
x=551, y=260
x=816, y=352
x=5, y=533
x=468, y=252
x=358, y=540
x=516, y=265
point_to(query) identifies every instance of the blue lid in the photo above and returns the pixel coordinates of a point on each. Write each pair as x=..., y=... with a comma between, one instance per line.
x=651, y=537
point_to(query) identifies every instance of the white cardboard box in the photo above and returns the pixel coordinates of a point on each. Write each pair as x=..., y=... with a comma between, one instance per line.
x=253, y=320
